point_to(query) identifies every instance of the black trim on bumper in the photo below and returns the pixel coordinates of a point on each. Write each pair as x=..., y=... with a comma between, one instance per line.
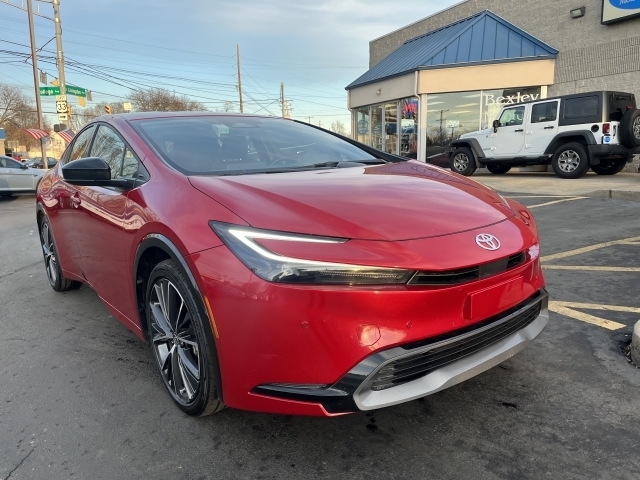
x=338, y=398
x=603, y=152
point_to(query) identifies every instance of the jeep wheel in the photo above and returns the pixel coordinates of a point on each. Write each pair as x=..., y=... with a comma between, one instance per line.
x=630, y=129
x=463, y=162
x=498, y=169
x=609, y=167
x=570, y=161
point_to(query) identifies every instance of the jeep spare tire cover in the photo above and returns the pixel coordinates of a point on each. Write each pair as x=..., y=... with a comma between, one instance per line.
x=630, y=129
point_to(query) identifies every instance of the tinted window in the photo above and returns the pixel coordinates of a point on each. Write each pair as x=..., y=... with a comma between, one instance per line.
x=109, y=147
x=130, y=165
x=221, y=144
x=81, y=144
x=581, y=107
x=544, y=112
x=9, y=163
x=619, y=103
x=512, y=116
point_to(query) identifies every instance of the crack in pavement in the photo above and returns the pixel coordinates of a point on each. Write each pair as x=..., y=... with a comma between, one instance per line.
x=20, y=269
x=19, y=464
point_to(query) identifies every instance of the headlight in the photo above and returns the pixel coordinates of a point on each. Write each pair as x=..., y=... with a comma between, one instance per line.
x=278, y=268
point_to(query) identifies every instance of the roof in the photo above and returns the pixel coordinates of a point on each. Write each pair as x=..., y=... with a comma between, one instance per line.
x=483, y=38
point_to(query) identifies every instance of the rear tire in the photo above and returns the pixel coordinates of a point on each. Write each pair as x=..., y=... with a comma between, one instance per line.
x=570, y=161
x=179, y=342
x=50, y=253
x=609, y=167
x=498, y=169
x=463, y=162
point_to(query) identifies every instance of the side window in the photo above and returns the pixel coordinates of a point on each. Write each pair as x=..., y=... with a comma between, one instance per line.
x=130, y=165
x=9, y=163
x=81, y=145
x=581, y=107
x=544, y=112
x=512, y=116
x=108, y=146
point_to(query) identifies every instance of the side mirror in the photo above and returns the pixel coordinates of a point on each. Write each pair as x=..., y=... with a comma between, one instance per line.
x=495, y=126
x=23, y=166
x=93, y=172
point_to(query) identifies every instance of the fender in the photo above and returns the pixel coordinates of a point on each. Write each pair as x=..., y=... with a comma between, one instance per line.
x=470, y=143
x=587, y=135
x=167, y=246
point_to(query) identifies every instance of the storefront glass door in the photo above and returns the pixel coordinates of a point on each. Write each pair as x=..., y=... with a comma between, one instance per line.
x=391, y=128
x=377, y=134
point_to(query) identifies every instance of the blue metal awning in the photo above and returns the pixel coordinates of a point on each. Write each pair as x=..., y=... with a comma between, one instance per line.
x=483, y=38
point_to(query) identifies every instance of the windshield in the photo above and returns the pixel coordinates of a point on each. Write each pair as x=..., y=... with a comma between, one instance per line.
x=219, y=145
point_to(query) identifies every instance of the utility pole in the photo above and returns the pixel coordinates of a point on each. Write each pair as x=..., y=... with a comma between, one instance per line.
x=282, y=98
x=441, y=131
x=239, y=78
x=34, y=59
x=59, y=54
x=309, y=122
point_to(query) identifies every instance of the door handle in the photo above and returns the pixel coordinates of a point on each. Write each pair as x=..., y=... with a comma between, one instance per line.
x=75, y=200
x=519, y=130
x=549, y=128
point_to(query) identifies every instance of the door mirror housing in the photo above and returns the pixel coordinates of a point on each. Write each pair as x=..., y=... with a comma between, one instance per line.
x=93, y=172
x=496, y=124
x=23, y=166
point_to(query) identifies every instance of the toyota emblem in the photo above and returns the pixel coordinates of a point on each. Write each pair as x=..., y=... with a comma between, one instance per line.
x=487, y=241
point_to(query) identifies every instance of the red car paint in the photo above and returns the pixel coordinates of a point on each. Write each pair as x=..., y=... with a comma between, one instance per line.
x=403, y=215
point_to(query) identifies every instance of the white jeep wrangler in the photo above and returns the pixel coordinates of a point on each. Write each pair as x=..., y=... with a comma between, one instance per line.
x=600, y=130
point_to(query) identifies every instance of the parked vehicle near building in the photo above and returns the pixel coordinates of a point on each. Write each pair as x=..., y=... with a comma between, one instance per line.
x=16, y=177
x=36, y=162
x=278, y=267
x=597, y=130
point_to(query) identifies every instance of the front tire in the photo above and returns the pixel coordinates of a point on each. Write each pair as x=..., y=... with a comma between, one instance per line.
x=179, y=343
x=498, y=169
x=50, y=253
x=463, y=162
x=609, y=167
x=570, y=161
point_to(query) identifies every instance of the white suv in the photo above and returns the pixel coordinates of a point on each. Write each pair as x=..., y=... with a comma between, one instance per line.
x=600, y=130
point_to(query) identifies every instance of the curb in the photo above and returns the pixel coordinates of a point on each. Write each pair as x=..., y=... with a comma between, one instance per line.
x=634, y=348
x=628, y=195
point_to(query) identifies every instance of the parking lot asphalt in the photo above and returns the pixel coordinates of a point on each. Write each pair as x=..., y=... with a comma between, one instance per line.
x=81, y=398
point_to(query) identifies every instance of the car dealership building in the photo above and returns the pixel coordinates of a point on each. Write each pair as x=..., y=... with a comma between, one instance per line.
x=450, y=73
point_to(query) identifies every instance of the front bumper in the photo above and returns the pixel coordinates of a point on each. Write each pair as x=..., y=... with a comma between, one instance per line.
x=444, y=361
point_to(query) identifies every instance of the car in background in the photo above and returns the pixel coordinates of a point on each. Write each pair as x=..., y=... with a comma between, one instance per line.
x=20, y=156
x=278, y=267
x=36, y=162
x=16, y=177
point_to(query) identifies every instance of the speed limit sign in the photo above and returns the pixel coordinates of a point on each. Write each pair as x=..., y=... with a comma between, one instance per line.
x=61, y=107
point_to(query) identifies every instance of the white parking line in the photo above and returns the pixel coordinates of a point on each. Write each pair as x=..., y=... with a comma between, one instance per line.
x=591, y=268
x=590, y=248
x=556, y=201
x=568, y=309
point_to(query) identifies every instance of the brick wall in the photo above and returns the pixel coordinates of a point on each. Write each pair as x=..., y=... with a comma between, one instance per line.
x=592, y=56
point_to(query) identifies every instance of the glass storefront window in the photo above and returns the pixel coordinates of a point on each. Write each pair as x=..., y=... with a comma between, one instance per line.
x=376, y=127
x=391, y=127
x=409, y=128
x=362, y=125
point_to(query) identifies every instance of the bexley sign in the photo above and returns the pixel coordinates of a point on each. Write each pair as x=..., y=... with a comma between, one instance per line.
x=490, y=99
x=618, y=10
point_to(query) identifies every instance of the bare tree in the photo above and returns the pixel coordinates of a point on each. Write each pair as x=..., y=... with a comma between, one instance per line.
x=17, y=112
x=160, y=100
x=338, y=127
x=81, y=116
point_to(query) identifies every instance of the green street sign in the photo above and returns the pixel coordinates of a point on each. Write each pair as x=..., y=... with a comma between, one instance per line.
x=77, y=91
x=49, y=90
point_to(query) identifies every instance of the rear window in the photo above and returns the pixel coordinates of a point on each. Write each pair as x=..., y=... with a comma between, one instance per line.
x=230, y=144
x=619, y=103
x=581, y=107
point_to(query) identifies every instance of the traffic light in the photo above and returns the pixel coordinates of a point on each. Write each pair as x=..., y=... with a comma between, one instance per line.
x=107, y=109
x=59, y=127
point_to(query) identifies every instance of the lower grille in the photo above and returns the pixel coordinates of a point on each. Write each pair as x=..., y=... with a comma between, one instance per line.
x=407, y=369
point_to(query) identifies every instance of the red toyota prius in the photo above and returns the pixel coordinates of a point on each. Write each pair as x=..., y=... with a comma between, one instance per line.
x=277, y=267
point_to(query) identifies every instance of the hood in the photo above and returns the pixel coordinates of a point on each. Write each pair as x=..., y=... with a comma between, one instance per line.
x=396, y=201
x=484, y=131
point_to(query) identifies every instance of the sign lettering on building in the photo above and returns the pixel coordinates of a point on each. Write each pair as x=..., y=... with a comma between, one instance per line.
x=619, y=10
x=490, y=99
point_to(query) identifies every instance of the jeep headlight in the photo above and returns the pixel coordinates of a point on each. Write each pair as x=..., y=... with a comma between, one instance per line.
x=274, y=267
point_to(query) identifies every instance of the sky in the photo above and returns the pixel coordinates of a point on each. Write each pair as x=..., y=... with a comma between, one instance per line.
x=112, y=46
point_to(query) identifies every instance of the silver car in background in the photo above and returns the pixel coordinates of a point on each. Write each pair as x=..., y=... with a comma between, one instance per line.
x=16, y=177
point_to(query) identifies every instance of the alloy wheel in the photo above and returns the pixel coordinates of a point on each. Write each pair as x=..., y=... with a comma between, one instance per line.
x=460, y=162
x=568, y=161
x=50, y=261
x=174, y=341
x=636, y=128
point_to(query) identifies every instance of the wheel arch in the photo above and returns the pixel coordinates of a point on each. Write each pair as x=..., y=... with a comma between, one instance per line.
x=153, y=249
x=584, y=137
x=473, y=145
